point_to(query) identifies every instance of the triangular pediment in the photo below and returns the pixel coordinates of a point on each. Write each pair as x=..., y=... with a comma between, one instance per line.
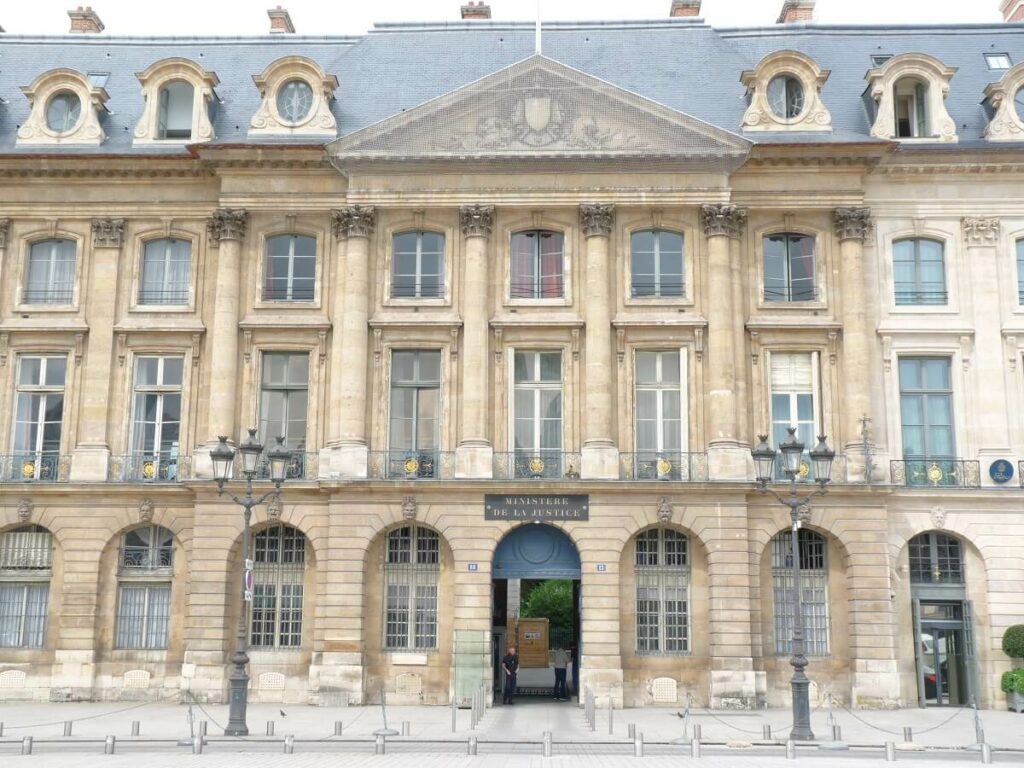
x=536, y=109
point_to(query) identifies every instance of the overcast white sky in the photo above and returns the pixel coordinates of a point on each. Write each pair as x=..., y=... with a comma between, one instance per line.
x=334, y=17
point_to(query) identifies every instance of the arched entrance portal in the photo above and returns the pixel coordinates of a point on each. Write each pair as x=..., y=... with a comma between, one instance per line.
x=535, y=598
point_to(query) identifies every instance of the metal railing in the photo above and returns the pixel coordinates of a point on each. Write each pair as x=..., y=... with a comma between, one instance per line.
x=936, y=473
x=35, y=467
x=790, y=295
x=163, y=296
x=143, y=559
x=411, y=465
x=912, y=298
x=26, y=551
x=663, y=465
x=48, y=295
x=148, y=468
x=649, y=289
x=541, y=465
x=301, y=466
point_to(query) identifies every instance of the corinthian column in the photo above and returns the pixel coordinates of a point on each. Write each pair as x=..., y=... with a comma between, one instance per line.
x=852, y=227
x=92, y=454
x=727, y=458
x=357, y=224
x=600, y=458
x=475, y=454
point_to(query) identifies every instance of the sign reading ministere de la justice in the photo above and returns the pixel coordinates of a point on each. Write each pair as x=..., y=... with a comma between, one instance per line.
x=502, y=506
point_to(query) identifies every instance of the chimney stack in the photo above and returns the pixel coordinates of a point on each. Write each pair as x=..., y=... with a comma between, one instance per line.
x=478, y=10
x=796, y=11
x=280, y=21
x=1013, y=10
x=681, y=8
x=85, y=20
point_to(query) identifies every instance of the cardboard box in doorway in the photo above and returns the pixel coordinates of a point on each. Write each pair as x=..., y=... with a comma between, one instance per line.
x=532, y=640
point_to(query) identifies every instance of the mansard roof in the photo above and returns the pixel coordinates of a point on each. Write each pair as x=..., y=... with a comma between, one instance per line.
x=684, y=65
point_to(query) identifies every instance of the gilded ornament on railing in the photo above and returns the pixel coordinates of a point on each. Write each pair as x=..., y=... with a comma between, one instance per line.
x=805, y=470
x=148, y=469
x=536, y=465
x=412, y=465
x=28, y=469
x=935, y=474
x=664, y=466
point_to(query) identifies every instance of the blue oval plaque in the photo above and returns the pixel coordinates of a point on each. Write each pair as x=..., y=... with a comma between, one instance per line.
x=1001, y=471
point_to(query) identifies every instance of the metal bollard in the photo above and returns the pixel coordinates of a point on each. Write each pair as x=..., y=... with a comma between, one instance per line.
x=631, y=730
x=696, y=731
x=203, y=726
x=406, y=728
x=108, y=745
x=638, y=744
x=471, y=746
x=67, y=727
x=766, y=732
x=337, y=727
x=289, y=744
x=1, y=728
x=890, y=752
x=790, y=750
x=26, y=745
x=380, y=746
x=547, y=743
x=908, y=735
x=611, y=710
x=694, y=747
x=135, y=727
x=197, y=745
x=455, y=714
x=986, y=754
x=837, y=733
x=270, y=727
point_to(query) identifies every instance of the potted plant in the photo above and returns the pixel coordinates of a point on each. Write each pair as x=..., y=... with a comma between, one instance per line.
x=1013, y=681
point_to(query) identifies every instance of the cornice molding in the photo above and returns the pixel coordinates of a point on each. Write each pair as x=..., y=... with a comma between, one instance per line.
x=476, y=220
x=597, y=219
x=723, y=219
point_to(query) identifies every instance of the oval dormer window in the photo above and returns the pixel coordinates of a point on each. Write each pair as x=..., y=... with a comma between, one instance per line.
x=786, y=96
x=63, y=112
x=294, y=100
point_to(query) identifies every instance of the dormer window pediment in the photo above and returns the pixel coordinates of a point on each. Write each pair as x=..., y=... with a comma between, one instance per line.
x=296, y=100
x=66, y=108
x=784, y=94
x=179, y=103
x=909, y=95
x=1004, y=103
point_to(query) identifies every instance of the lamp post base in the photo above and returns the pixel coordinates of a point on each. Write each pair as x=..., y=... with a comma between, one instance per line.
x=238, y=701
x=801, y=709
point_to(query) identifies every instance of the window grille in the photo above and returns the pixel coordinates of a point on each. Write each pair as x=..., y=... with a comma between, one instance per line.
x=813, y=588
x=278, y=582
x=936, y=558
x=23, y=609
x=789, y=267
x=417, y=270
x=166, y=272
x=656, y=263
x=919, y=272
x=412, y=567
x=662, y=569
x=290, y=268
x=537, y=265
x=143, y=615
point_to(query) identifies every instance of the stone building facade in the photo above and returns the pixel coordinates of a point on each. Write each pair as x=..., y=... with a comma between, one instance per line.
x=571, y=288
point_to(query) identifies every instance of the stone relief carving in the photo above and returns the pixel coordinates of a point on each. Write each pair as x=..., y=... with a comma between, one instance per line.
x=476, y=220
x=409, y=507
x=274, y=507
x=723, y=219
x=356, y=221
x=597, y=219
x=146, y=511
x=107, y=233
x=938, y=517
x=979, y=230
x=25, y=508
x=227, y=224
x=665, y=510
x=852, y=223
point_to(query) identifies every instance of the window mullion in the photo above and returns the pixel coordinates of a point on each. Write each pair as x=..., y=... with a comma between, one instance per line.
x=291, y=268
x=419, y=266
x=23, y=619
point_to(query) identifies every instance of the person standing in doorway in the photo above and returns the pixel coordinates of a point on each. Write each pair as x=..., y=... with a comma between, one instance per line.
x=511, y=666
x=561, y=665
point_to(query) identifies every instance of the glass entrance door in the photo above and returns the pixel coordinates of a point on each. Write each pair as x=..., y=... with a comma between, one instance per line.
x=944, y=666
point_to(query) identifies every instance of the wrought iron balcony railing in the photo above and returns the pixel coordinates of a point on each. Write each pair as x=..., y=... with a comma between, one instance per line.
x=664, y=465
x=537, y=465
x=936, y=473
x=26, y=552
x=149, y=468
x=301, y=466
x=168, y=296
x=411, y=465
x=35, y=468
x=145, y=559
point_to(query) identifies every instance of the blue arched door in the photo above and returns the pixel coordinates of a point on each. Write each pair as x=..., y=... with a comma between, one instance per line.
x=536, y=551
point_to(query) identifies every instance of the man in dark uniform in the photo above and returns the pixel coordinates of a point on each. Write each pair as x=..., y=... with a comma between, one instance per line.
x=511, y=666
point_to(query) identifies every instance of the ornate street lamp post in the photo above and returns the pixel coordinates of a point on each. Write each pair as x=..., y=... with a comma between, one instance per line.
x=223, y=459
x=764, y=463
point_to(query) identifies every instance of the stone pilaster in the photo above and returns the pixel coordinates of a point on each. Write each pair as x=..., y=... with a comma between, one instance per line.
x=357, y=223
x=330, y=452
x=600, y=456
x=728, y=459
x=92, y=454
x=5, y=225
x=852, y=228
x=475, y=452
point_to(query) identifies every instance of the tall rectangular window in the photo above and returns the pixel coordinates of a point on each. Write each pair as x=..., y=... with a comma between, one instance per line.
x=1020, y=272
x=284, y=398
x=656, y=263
x=51, y=272
x=537, y=265
x=537, y=412
x=166, y=272
x=789, y=267
x=659, y=413
x=794, y=382
x=143, y=615
x=926, y=408
x=411, y=571
x=156, y=423
x=919, y=272
x=415, y=410
x=662, y=572
x=39, y=416
x=278, y=588
x=23, y=608
x=418, y=265
x=290, y=268
x=813, y=592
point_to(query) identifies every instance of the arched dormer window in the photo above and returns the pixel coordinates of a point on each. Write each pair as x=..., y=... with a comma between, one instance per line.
x=1004, y=103
x=296, y=99
x=784, y=94
x=179, y=96
x=66, y=109
x=909, y=93
x=26, y=564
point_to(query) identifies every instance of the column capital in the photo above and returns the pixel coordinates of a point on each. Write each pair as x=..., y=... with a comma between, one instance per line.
x=227, y=224
x=4, y=227
x=354, y=221
x=107, y=233
x=852, y=223
x=980, y=230
x=476, y=220
x=723, y=219
x=597, y=219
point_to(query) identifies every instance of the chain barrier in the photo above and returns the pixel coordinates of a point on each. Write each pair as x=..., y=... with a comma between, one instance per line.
x=94, y=717
x=917, y=731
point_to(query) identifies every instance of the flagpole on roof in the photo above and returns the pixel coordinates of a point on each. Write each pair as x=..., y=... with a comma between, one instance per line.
x=536, y=46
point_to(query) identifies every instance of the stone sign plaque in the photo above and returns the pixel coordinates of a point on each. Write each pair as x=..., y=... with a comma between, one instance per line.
x=503, y=506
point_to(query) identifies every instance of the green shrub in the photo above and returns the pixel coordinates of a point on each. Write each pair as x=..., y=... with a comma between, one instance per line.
x=1013, y=681
x=1013, y=641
